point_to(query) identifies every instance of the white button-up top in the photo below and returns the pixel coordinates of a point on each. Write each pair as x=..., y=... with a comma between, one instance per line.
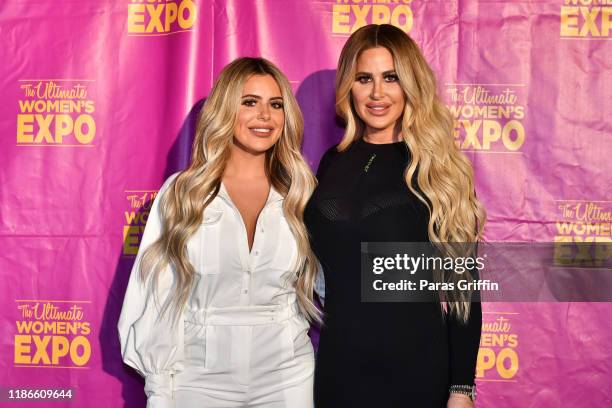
x=229, y=279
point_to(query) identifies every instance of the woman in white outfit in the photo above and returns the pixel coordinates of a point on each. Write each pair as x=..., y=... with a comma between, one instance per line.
x=217, y=306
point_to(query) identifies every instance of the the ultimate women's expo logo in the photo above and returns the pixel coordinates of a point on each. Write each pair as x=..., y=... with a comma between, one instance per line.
x=52, y=333
x=489, y=117
x=158, y=17
x=56, y=112
x=350, y=15
x=138, y=203
x=586, y=19
x=498, y=357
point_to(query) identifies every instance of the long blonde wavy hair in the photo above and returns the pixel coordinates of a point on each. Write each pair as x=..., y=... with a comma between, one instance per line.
x=183, y=203
x=444, y=176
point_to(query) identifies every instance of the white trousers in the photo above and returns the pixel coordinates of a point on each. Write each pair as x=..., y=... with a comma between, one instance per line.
x=251, y=356
x=295, y=396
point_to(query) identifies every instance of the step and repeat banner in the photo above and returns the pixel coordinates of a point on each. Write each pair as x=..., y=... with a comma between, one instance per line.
x=99, y=100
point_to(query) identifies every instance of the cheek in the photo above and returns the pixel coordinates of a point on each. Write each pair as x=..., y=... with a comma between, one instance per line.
x=398, y=95
x=279, y=120
x=243, y=118
x=240, y=129
x=240, y=120
x=358, y=97
x=400, y=99
x=279, y=117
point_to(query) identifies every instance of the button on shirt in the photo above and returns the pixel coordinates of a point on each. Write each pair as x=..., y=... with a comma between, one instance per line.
x=231, y=274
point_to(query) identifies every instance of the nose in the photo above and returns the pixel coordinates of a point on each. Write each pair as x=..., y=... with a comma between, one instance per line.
x=377, y=89
x=264, y=112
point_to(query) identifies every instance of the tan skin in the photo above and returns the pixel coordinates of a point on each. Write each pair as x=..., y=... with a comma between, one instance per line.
x=249, y=196
x=259, y=125
x=379, y=102
x=378, y=97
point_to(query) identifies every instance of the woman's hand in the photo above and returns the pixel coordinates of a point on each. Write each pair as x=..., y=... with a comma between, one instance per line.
x=459, y=401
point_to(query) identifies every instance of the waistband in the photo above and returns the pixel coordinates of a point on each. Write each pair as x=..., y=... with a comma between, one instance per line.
x=241, y=315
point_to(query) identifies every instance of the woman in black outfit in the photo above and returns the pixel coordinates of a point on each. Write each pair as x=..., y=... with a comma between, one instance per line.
x=420, y=355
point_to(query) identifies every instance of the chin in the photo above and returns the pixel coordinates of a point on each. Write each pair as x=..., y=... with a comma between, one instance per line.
x=377, y=125
x=259, y=147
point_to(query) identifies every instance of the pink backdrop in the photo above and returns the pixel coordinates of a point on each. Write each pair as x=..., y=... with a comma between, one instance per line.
x=98, y=106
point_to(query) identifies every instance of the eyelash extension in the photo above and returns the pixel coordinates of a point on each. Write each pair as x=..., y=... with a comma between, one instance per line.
x=276, y=105
x=387, y=77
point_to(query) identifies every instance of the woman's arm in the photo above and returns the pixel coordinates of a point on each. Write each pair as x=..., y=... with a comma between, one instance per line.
x=151, y=344
x=464, y=340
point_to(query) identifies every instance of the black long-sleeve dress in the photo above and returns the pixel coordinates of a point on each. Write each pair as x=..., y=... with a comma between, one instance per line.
x=379, y=354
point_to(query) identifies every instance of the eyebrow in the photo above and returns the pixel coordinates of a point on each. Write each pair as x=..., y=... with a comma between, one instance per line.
x=384, y=73
x=259, y=97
